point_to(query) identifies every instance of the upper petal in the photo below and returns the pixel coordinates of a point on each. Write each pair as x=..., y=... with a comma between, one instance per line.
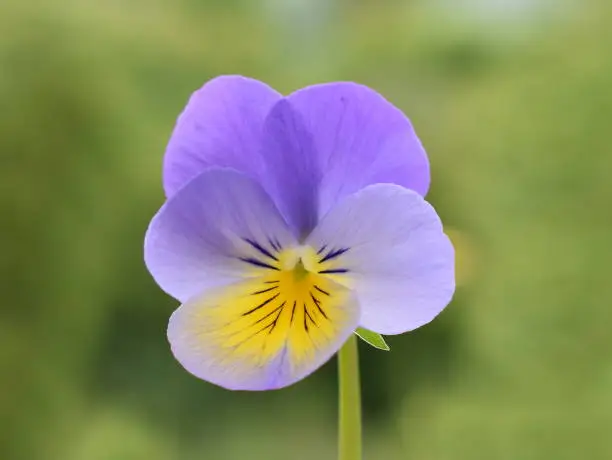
x=359, y=139
x=220, y=227
x=388, y=244
x=292, y=170
x=220, y=126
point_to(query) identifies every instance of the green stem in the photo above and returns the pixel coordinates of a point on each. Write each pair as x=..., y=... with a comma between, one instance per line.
x=349, y=447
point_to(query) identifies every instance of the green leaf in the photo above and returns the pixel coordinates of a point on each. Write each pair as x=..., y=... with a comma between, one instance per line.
x=372, y=338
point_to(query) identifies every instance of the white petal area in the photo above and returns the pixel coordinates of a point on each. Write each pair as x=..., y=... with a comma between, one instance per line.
x=393, y=253
x=207, y=232
x=261, y=333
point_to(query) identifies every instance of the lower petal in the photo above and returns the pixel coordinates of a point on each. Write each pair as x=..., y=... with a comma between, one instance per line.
x=263, y=333
x=387, y=243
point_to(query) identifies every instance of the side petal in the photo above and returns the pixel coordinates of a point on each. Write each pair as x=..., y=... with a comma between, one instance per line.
x=360, y=139
x=220, y=126
x=388, y=244
x=220, y=227
x=262, y=333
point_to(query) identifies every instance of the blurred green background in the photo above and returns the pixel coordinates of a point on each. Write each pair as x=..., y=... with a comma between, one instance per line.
x=513, y=101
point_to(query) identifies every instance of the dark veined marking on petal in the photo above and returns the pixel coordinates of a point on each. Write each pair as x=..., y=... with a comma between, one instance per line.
x=270, y=314
x=292, y=312
x=261, y=305
x=261, y=291
x=275, y=322
x=322, y=291
x=260, y=248
x=259, y=331
x=271, y=281
x=270, y=325
x=317, y=302
x=321, y=249
x=250, y=336
x=258, y=263
x=275, y=244
x=306, y=317
x=333, y=271
x=333, y=254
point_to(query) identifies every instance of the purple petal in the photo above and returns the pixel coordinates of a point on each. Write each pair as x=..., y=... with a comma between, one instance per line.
x=340, y=137
x=389, y=247
x=220, y=227
x=254, y=335
x=292, y=173
x=221, y=126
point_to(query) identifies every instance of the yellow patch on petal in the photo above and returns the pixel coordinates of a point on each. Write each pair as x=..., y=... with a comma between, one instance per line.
x=290, y=306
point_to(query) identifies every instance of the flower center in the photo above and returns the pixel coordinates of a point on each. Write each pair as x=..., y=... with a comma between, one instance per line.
x=295, y=267
x=300, y=259
x=299, y=271
x=306, y=258
x=291, y=299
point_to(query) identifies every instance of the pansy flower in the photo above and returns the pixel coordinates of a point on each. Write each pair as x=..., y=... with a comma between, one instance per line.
x=291, y=221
